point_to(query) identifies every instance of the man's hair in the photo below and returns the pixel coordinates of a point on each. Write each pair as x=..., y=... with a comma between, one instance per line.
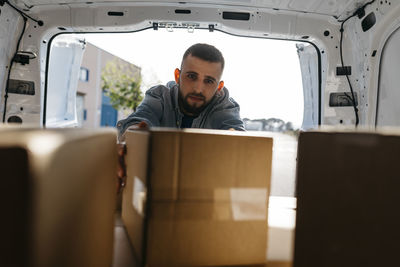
x=205, y=52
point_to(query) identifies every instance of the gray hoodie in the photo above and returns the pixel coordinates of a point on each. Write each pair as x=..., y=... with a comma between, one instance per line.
x=160, y=109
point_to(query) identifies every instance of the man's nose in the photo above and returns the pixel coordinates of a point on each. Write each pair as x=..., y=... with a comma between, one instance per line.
x=198, y=87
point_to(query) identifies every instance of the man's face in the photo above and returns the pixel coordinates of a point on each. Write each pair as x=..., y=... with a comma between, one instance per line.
x=198, y=82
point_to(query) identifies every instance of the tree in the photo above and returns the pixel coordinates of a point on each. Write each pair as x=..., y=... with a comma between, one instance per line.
x=121, y=83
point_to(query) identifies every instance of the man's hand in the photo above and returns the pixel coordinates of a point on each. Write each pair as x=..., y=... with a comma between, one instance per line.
x=121, y=172
x=140, y=126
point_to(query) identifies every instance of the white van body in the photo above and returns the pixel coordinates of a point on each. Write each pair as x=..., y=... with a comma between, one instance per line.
x=369, y=46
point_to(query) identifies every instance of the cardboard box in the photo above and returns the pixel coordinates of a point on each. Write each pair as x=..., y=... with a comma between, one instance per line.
x=347, y=199
x=57, y=197
x=206, y=195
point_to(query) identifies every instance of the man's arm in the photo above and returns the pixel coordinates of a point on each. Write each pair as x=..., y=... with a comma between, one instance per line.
x=233, y=124
x=149, y=111
x=227, y=116
x=230, y=121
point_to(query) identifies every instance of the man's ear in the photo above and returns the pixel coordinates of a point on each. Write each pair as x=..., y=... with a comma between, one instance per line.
x=177, y=75
x=220, y=85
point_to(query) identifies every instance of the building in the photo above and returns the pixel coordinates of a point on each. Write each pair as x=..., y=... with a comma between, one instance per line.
x=93, y=107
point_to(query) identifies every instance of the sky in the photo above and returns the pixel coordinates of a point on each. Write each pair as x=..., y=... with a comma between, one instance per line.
x=262, y=75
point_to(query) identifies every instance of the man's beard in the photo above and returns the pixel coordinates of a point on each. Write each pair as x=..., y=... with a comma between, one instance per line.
x=189, y=109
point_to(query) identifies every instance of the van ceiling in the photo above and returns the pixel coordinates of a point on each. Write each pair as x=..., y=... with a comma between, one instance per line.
x=336, y=8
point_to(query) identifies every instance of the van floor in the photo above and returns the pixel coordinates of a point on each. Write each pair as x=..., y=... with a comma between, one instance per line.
x=123, y=250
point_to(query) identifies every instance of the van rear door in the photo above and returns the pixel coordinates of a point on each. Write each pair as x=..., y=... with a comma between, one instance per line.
x=309, y=65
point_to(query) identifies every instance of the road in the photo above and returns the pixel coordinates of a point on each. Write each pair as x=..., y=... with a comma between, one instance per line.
x=283, y=164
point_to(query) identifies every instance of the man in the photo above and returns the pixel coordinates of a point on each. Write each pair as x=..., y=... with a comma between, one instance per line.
x=197, y=98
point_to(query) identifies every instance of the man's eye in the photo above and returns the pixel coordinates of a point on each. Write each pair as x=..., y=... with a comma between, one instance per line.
x=208, y=81
x=191, y=76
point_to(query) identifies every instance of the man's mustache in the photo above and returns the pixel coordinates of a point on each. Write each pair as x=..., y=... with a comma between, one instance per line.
x=199, y=95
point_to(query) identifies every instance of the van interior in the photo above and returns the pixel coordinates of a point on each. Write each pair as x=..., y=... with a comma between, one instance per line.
x=336, y=152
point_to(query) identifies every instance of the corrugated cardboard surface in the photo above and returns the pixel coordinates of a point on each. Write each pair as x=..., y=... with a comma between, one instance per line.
x=71, y=176
x=136, y=161
x=203, y=234
x=205, y=162
x=15, y=199
x=348, y=190
x=208, y=193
